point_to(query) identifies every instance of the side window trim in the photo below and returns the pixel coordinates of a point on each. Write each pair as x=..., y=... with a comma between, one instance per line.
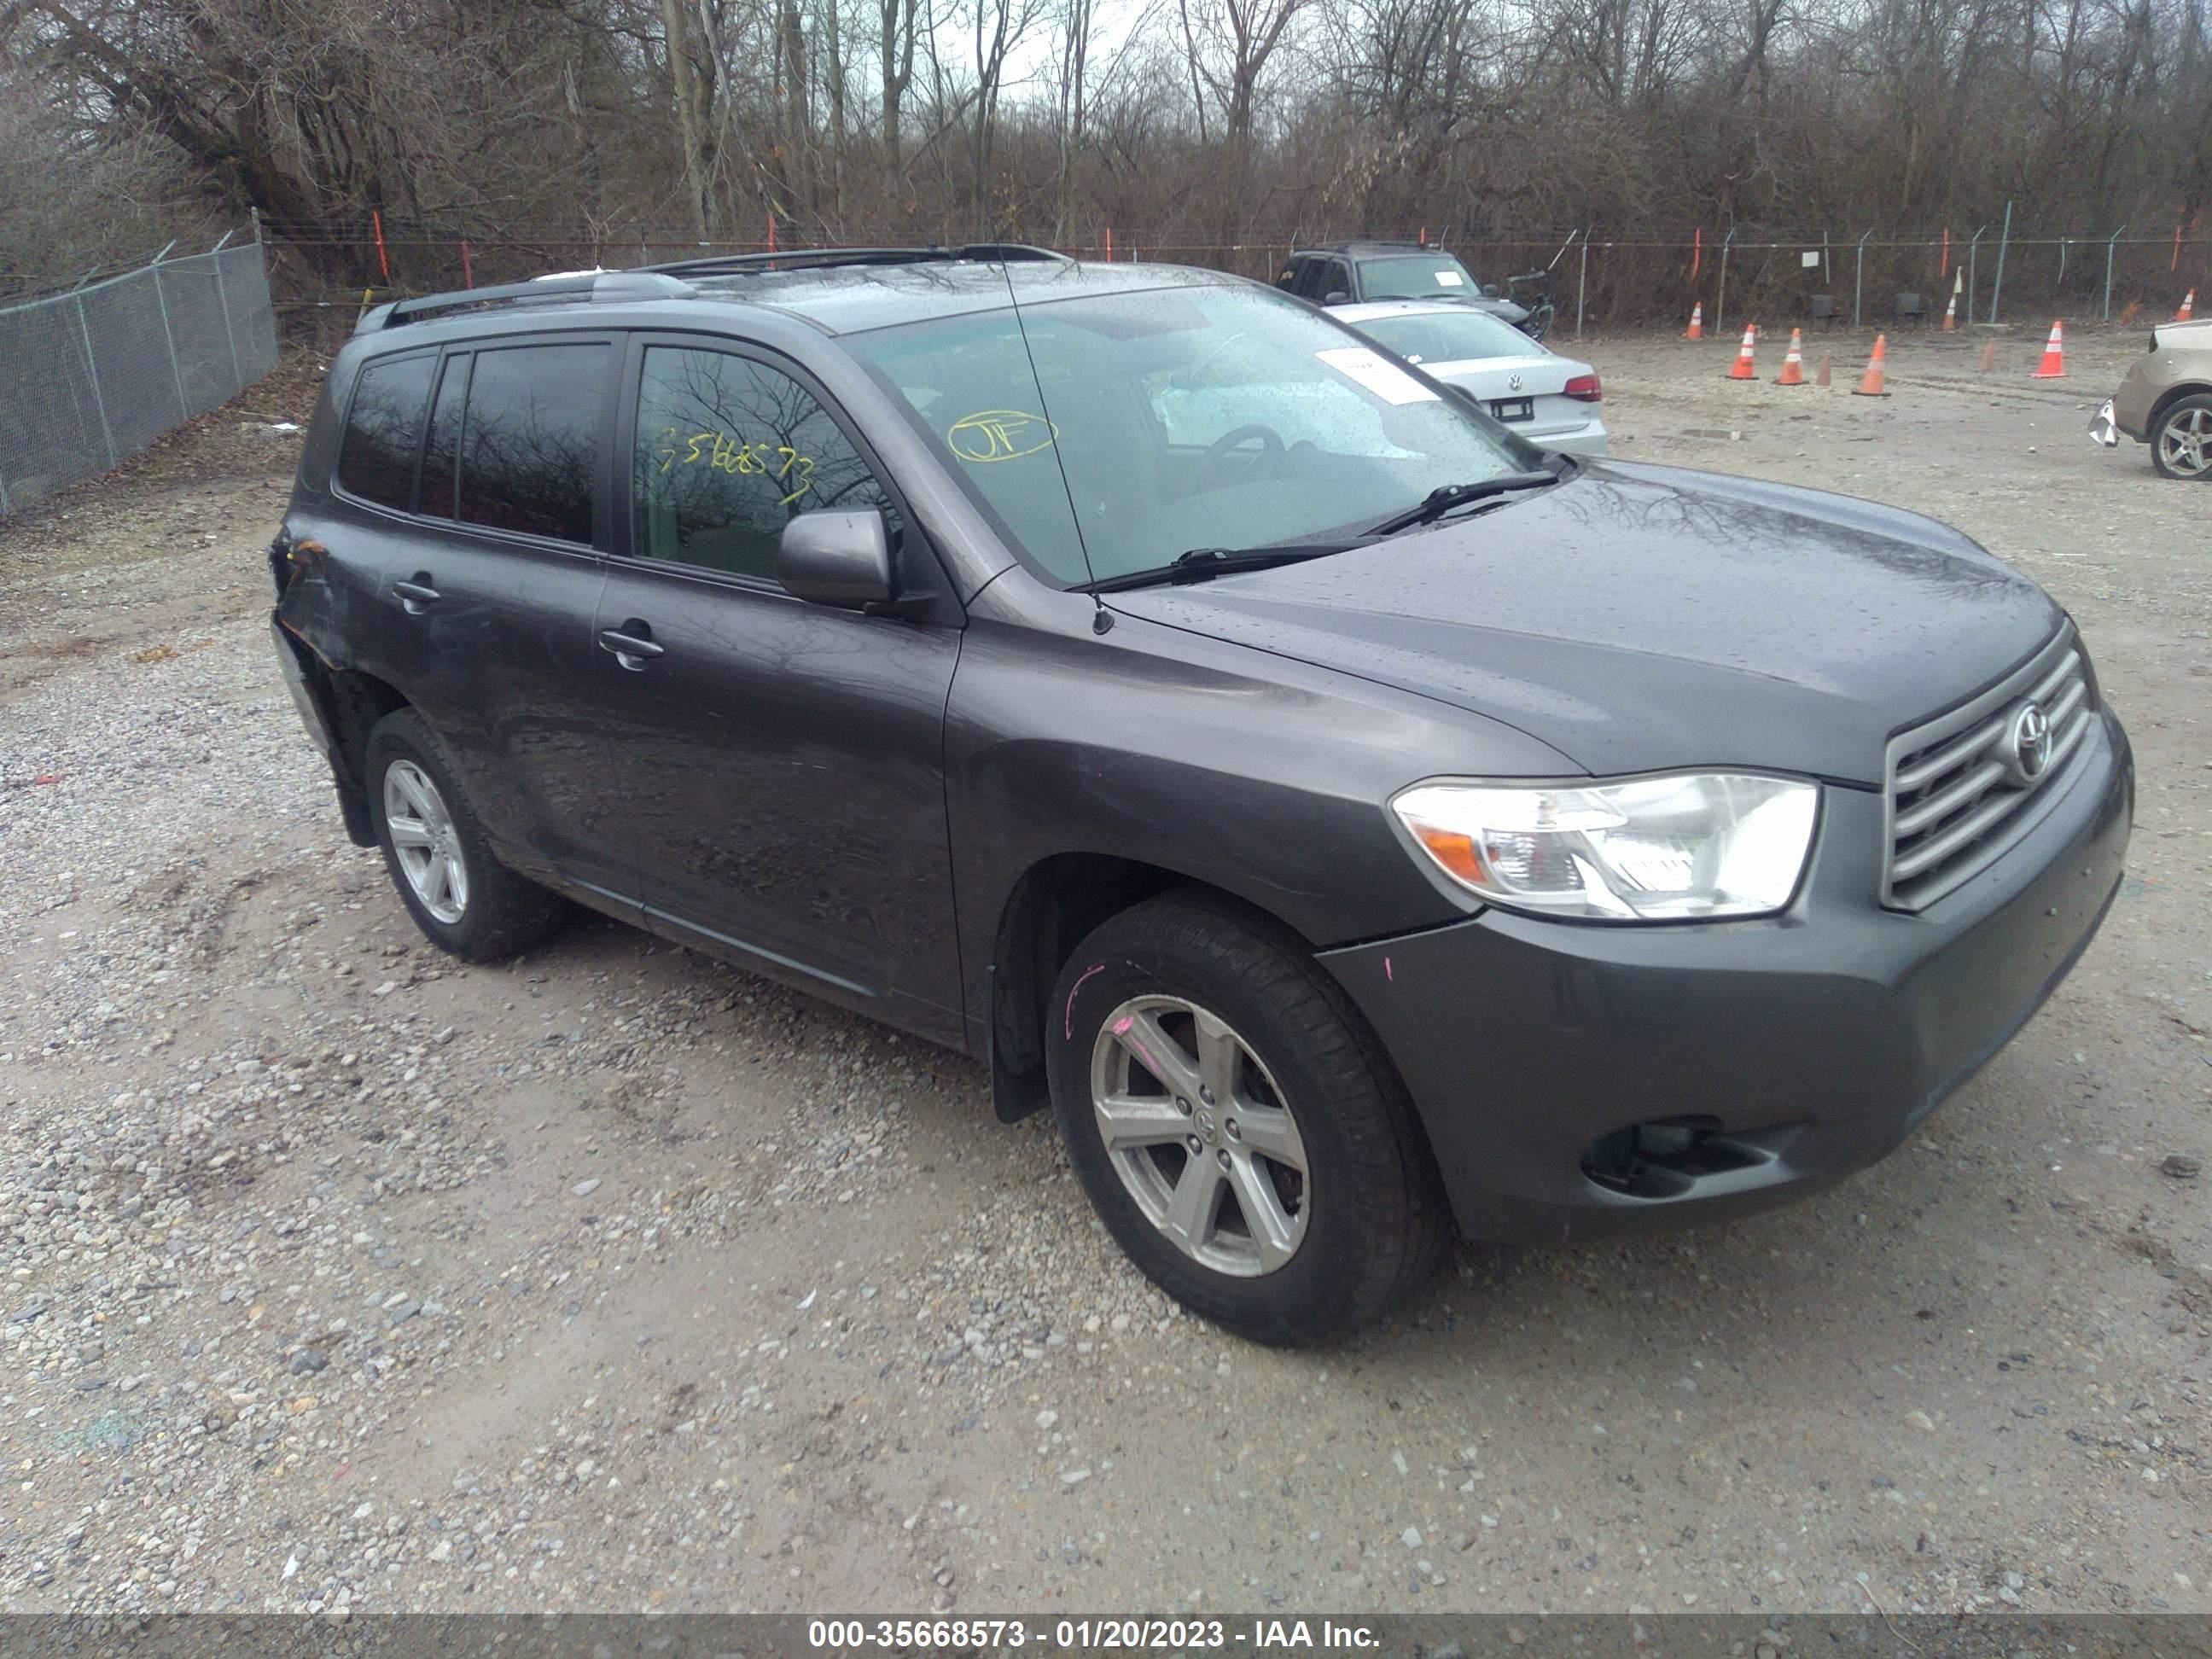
x=332, y=483
x=622, y=507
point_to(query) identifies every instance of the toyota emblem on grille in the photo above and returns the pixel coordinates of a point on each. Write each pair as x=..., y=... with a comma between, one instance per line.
x=2028, y=743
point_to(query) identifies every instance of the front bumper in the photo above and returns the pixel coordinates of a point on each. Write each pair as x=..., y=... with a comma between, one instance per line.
x=1810, y=1045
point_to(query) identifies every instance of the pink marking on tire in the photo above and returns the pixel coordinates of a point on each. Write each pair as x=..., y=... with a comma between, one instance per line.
x=1067, y=1020
x=1387, y=972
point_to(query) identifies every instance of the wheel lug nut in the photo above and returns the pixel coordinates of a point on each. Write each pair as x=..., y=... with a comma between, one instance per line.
x=1235, y=1133
x=1196, y=1144
x=1205, y=1095
x=1222, y=1158
x=1182, y=1106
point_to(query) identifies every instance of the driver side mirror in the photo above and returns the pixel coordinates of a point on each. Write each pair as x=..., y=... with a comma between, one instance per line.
x=1336, y=297
x=1491, y=291
x=842, y=559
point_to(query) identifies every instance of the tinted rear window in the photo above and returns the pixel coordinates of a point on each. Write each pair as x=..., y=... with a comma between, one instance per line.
x=384, y=429
x=441, y=454
x=530, y=446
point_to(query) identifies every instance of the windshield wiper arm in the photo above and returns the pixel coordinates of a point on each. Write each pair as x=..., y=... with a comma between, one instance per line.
x=1443, y=499
x=1204, y=563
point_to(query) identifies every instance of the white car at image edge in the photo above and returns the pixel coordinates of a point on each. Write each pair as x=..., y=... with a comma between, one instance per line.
x=1550, y=400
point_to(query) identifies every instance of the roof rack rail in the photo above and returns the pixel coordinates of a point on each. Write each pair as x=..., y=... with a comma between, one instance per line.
x=829, y=258
x=606, y=286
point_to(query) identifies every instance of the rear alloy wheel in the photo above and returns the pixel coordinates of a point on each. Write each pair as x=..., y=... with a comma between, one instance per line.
x=462, y=898
x=1236, y=1125
x=2181, y=442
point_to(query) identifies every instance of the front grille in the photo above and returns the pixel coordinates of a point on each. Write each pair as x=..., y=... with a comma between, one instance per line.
x=1957, y=796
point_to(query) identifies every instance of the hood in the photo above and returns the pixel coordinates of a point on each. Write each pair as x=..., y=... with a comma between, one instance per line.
x=1641, y=617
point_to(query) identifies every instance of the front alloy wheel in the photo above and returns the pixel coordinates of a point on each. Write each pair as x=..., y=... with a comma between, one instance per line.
x=1236, y=1125
x=1200, y=1135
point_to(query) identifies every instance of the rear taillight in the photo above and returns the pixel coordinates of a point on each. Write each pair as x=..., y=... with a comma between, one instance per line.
x=1586, y=389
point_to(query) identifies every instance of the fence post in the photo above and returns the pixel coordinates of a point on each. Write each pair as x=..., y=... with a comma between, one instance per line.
x=2004, y=239
x=92, y=368
x=1858, y=282
x=1720, y=299
x=2108, y=244
x=229, y=334
x=5, y=510
x=1582, y=283
x=176, y=374
x=1972, y=248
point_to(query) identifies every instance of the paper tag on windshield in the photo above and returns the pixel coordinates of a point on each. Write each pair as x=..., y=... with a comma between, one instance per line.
x=1450, y=278
x=1385, y=380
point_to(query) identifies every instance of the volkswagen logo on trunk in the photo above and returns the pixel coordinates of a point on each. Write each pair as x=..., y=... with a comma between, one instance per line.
x=1513, y=383
x=2027, y=750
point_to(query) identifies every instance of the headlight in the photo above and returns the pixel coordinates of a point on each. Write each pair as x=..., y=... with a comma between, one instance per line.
x=1688, y=847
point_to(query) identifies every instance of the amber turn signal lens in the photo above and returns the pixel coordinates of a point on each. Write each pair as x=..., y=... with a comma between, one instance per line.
x=1449, y=848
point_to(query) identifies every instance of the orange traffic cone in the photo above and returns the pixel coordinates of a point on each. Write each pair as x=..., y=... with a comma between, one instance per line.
x=2188, y=308
x=1793, y=363
x=1697, y=331
x=2053, y=366
x=1743, y=369
x=1871, y=386
x=1828, y=359
x=1989, y=355
x=1951, y=314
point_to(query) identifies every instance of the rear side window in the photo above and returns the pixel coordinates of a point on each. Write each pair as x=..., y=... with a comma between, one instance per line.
x=530, y=441
x=729, y=451
x=383, y=430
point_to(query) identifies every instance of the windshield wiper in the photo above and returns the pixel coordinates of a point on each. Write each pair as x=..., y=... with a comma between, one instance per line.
x=1443, y=499
x=1204, y=563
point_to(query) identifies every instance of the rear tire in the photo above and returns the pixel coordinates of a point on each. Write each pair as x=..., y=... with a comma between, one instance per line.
x=464, y=901
x=2181, y=439
x=1269, y=1174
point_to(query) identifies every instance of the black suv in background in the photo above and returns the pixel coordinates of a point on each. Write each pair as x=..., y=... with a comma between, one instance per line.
x=1348, y=819
x=1354, y=273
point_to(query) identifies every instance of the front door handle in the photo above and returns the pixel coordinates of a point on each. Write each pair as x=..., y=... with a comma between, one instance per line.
x=632, y=644
x=417, y=596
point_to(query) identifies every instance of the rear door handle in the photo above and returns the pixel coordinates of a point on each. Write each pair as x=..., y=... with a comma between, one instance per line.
x=632, y=644
x=417, y=596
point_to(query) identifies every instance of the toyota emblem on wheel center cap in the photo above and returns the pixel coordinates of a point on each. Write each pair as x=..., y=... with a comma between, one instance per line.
x=2028, y=743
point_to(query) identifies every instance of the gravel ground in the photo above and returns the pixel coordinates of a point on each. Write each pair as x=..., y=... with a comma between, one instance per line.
x=337, y=1276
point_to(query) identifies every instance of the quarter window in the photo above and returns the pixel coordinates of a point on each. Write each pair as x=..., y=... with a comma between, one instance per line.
x=530, y=445
x=384, y=429
x=728, y=452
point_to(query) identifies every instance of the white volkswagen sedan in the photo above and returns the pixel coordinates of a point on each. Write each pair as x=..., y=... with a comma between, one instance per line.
x=1550, y=400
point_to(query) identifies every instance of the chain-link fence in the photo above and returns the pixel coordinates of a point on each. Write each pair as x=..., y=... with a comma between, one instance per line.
x=91, y=376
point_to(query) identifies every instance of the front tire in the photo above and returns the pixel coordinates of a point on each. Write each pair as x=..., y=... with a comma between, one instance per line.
x=1237, y=1126
x=2181, y=441
x=464, y=901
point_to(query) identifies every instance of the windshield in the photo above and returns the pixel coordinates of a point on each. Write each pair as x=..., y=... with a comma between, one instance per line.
x=1418, y=276
x=1179, y=418
x=1447, y=337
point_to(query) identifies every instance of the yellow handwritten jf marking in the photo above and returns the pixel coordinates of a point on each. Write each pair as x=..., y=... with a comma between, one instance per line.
x=1000, y=434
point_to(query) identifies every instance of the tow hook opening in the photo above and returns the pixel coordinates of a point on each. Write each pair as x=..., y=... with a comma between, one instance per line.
x=1667, y=1157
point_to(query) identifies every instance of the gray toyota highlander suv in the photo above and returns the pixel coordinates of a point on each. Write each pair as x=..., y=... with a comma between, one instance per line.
x=1350, y=821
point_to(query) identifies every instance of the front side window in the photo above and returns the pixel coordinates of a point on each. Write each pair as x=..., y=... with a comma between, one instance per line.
x=1162, y=420
x=530, y=441
x=1418, y=276
x=384, y=429
x=729, y=451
